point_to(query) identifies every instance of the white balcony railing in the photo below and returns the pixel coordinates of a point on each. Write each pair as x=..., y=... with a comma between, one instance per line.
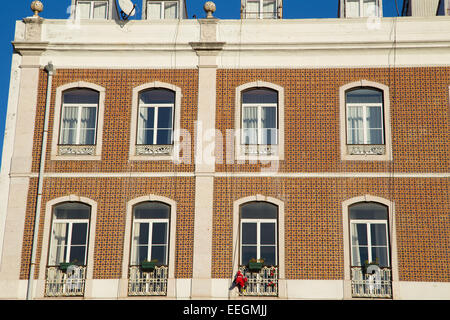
x=148, y=283
x=66, y=283
x=260, y=283
x=371, y=286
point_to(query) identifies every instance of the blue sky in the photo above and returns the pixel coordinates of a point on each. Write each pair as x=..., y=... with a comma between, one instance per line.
x=226, y=9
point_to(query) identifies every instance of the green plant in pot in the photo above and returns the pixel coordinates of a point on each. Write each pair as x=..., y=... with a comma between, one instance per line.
x=148, y=265
x=255, y=264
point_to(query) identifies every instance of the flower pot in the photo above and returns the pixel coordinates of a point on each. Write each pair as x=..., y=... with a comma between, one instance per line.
x=148, y=265
x=63, y=266
x=255, y=266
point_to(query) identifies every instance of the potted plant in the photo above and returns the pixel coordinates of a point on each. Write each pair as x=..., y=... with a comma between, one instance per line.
x=255, y=264
x=367, y=264
x=63, y=266
x=148, y=265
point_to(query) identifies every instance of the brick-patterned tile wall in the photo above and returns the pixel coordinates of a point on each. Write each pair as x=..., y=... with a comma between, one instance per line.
x=112, y=195
x=314, y=225
x=419, y=100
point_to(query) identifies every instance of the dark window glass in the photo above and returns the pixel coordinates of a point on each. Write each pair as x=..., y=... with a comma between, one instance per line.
x=362, y=96
x=259, y=210
x=81, y=96
x=260, y=95
x=368, y=211
x=152, y=210
x=158, y=96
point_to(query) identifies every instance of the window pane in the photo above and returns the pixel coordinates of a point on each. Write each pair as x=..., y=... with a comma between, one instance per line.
x=248, y=253
x=260, y=96
x=378, y=234
x=159, y=253
x=380, y=253
x=159, y=234
x=164, y=136
x=352, y=9
x=143, y=254
x=249, y=232
x=362, y=96
x=250, y=125
x=269, y=136
x=170, y=11
x=83, y=10
x=72, y=210
x=78, y=255
x=355, y=127
x=153, y=10
x=142, y=236
x=269, y=9
x=268, y=233
x=269, y=125
x=146, y=121
x=69, y=125
x=359, y=234
x=252, y=9
x=359, y=255
x=268, y=253
x=259, y=210
x=100, y=10
x=370, y=8
x=88, y=123
x=375, y=125
x=151, y=210
x=79, y=233
x=157, y=96
x=81, y=96
x=368, y=211
x=58, y=244
x=164, y=117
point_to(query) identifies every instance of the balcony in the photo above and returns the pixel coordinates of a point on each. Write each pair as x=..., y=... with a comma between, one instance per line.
x=148, y=283
x=261, y=283
x=68, y=283
x=368, y=286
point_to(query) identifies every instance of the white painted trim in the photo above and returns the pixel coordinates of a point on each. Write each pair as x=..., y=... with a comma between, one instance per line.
x=40, y=289
x=134, y=121
x=238, y=122
x=392, y=238
x=387, y=121
x=57, y=121
x=281, y=235
x=123, y=290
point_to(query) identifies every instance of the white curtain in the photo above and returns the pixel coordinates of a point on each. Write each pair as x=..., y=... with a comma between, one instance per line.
x=153, y=10
x=356, y=258
x=352, y=9
x=252, y=9
x=87, y=125
x=100, y=10
x=135, y=245
x=250, y=125
x=145, y=125
x=69, y=125
x=355, y=134
x=58, y=245
x=269, y=9
x=170, y=10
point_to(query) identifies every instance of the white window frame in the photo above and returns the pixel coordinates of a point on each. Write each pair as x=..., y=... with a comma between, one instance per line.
x=259, y=128
x=368, y=223
x=260, y=14
x=258, y=223
x=70, y=222
x=365, y=128
x=162, y=9
x=78, y=128
x=91, y=9
x=362, y=14
x=150, y=222
x=155, y=120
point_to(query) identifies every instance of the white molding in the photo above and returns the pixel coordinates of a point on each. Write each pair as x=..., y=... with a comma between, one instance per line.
x=343, y=121
x=281, y=231
x=134, y=121
x=40, y=290
x=57, y=121
x=346, y=239
x=123, y=289
x=237, y=121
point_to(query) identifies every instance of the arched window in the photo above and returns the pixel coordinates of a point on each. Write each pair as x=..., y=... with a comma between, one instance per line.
x=70, y=234
x=258, y=232
x=259, y=116
x=369, y=234
x=79, y=117
x=155, y=117
x=365, y=114
x=150, y=237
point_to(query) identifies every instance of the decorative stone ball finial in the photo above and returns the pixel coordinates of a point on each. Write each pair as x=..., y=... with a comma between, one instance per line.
x=210, y=8
x=37, y=7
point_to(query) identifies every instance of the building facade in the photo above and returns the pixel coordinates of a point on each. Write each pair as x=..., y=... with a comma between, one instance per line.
x=176, y=158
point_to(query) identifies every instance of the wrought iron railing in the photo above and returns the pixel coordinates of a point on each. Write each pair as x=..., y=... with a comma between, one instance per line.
x=378, y=285
x=64, y=283
x=260, y=283
x=148, y=283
